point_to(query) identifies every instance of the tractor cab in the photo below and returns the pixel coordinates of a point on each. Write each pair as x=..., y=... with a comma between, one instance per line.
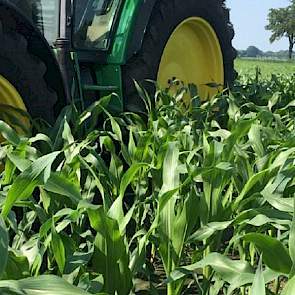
x=80, y=33
x=89, y=22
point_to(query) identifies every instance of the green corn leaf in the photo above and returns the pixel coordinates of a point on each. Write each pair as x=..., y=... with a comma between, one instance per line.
x=167, y=216
x=260, y=220
x=224, y=166
x=129, y=176
x=58, y=248
x=3, y=246
x=185, y=222
x=116, y=129
x=275, y=255
x=9, y=134
x=247, y=279
x=274, y=100
x=256, y=140
x=144, y=96
x=230, y=270
x=282, y=158
x=279, y=203
x=125, y=221
x=67, y=213
x=208, y=230
x=41, y=138
x=258, y=286
x=170, y=166
x=165, y=198
x=256, y=178
x=42, y=285
x=261, y=216
x=241, y=128
x=57, y=130
x=289, y=288
x=59, y=184
x=24, y=185
x=110, y=257
x=131, y=145
x=45, y=198
x=67, y=133
x=292, y=244
x=273, y=189
x=17, y=267
x=95, y=109
x=19, y=162
x=9, y=171
x=116, y=210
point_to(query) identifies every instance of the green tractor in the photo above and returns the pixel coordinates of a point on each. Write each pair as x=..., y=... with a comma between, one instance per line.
x=55, y=51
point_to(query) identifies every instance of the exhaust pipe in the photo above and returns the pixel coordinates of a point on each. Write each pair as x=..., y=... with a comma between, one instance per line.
x=63, y=46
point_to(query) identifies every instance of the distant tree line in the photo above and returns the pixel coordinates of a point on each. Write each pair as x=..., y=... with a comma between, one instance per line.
x=254, y=52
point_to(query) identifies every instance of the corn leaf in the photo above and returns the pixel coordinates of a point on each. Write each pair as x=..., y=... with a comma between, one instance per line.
x=42, y=285
x=59, y=184
x=167, y=215
x=275, y=255
x=24, y=185
x=258, y=286
x=208, y=230
x=230, y=270
x=9, y=134
x=289, y=289
x=110, y=257
x=58, y=248
x=3, y=246
x=292, y=244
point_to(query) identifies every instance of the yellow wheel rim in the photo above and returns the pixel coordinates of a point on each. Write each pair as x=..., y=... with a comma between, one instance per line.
x=12, y=107
x=193, y=55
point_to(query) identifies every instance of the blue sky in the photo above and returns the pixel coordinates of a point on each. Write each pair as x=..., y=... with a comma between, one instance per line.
x=249, y=18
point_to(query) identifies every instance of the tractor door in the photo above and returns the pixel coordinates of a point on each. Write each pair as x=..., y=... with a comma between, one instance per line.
x=93, y=27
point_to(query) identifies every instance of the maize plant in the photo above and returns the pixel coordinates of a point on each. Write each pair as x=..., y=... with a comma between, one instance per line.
x=194, y=199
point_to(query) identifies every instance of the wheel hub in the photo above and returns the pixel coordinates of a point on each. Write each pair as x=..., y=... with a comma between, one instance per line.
x=12, y=108
x=193, y=55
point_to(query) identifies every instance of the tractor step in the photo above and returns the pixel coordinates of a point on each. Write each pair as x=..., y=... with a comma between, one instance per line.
x=99, y=88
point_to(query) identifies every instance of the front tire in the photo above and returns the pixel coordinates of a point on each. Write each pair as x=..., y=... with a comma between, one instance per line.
x=25, y=73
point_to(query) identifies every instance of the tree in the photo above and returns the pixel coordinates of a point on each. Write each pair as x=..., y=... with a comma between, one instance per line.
x=253, y=51
x=282, y=24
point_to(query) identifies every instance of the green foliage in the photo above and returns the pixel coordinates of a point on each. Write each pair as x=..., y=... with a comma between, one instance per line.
x=198, y=198
x=45, y=285
x=267, y=68
x=282, y=24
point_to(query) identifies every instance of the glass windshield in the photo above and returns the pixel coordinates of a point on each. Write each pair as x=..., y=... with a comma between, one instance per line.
x=44, y=14
x=93, y=23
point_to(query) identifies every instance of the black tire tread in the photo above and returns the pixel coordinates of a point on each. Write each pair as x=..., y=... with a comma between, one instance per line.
x=27, y=73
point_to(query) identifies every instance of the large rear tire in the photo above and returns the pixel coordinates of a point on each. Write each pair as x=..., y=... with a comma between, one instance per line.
x=166, y=19
x=23, y=73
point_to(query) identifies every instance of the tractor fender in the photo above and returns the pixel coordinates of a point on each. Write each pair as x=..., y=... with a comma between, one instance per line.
x=142, y=20
x=37, y=45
